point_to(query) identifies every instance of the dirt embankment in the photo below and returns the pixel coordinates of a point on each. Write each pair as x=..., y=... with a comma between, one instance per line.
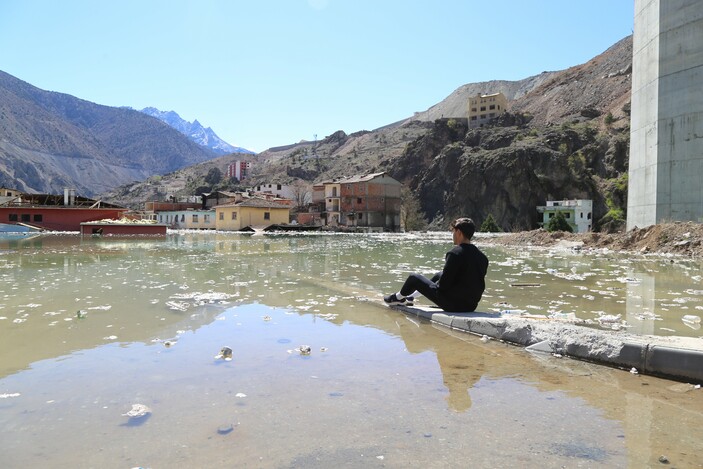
x=680, y=238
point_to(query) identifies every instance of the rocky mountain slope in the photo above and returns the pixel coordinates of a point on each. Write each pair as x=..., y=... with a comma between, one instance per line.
x=51, y=140
x=203, y=136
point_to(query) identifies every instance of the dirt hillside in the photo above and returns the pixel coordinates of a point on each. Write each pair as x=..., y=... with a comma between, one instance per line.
x=678, y=238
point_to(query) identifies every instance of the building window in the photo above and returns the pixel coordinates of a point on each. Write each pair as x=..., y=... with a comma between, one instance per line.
x=567, y=215
x=359, y=215
x=206, y=218
x=38, y=217
x=483, y=108
x=278, y=187
x=267, y=215
x=13, y=217
x=183, y=217
x=473, y=118
x=473, y=109
x=234, y=215
x=195, y=219
x=25, y=218
x=222, y=215
x=358, y=200
x=492, y=107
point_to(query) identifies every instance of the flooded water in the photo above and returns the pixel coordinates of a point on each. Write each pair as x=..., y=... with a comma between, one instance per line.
x=89, y=327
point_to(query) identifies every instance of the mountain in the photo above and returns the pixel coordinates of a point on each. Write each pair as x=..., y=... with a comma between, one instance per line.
x=566, y=136
x=50, y=140
x=203, y=136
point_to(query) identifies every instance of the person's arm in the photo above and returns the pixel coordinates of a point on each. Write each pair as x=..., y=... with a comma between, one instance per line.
x=450, y=271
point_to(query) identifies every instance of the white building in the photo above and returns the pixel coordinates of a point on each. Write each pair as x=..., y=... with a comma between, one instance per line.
x=188, y=219
x=578, y=213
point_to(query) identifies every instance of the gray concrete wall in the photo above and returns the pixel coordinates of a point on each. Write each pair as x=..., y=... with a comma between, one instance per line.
x=666, y=137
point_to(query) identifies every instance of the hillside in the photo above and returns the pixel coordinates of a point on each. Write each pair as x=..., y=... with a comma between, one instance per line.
x=566, y=136
x=52, y=140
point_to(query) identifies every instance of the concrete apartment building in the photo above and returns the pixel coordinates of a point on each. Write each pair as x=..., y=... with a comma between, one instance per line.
x=666, y=136
x=369, y=203
x=484, y=107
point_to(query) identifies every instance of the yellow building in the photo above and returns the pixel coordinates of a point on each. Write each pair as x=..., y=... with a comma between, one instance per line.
x=483, y=108
x=254, y=212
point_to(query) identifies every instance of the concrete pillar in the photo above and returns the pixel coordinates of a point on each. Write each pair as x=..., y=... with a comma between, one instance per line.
x=666, y=136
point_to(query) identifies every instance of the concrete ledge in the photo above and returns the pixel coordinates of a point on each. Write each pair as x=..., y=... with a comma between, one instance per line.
x=679, y=358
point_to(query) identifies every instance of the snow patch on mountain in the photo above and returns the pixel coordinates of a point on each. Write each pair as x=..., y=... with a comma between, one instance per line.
x=203, y=136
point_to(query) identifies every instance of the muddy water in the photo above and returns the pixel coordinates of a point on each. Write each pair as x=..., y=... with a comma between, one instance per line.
x=377, y=389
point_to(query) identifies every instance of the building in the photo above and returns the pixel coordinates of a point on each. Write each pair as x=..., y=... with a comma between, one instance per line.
x=187, y=219
x=250, y=213
x=666, y=148
x=239, y=169
x=363, y=203
x=484, y=107
x=55, y=212
x=578, y=213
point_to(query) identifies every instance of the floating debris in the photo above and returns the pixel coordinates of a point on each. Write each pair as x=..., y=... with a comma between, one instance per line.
x=138, y=411
x=634, y=371
x=303, y=350
x=5, y=396
x=267, y=318
x=169, y=343
x=80, y=314
x=240, y=395
x=225, y=429
x=485, y=339
x=323, y=349
x=225, y=354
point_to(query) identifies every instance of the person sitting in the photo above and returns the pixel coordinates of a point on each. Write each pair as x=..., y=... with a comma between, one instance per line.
x=460, y=284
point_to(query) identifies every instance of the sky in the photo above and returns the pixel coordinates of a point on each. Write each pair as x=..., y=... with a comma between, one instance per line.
x=265, y=73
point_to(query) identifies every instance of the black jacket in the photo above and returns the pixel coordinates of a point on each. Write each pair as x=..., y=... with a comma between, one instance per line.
x=462, y=282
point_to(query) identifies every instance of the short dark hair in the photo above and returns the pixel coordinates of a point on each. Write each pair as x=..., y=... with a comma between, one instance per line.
x=465, y=225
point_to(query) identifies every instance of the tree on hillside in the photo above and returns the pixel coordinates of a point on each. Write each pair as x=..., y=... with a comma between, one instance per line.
x=214, y=176
x=489, y=225
x=558, y=223
x=301, y=194
x=411, y=215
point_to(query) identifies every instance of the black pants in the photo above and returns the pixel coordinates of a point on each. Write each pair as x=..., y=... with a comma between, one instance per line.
x=429, y=288
x=426, y=286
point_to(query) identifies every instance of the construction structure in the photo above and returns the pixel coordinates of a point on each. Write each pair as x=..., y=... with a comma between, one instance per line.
x=666, y=136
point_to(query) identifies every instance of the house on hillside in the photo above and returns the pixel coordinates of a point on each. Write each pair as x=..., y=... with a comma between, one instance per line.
x=578, y=213
x=211, y=199
x=366, y=203
x=252, y=212
x=484, y=107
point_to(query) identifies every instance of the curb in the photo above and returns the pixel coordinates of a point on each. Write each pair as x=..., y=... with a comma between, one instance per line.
x=678, y=358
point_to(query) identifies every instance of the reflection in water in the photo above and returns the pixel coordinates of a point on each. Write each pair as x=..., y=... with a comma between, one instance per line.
x=378, y=388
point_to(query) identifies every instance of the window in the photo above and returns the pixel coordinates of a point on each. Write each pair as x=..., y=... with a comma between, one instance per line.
x=206, y=218
x=25, y=218
x=359, y=215
x=267, y=215
x=492, y=107
x=567, y=215
x=473, y=109
x=13, y=217
x=234, y=215
x=195, y=219
x=278, y=187
x=183, y=217
x=473, y=118
x=358, y=200
x=38, y=217
x=483, y=108
x=222, y=215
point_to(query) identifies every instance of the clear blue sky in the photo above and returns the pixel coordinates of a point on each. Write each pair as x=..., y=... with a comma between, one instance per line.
x=264, y=73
